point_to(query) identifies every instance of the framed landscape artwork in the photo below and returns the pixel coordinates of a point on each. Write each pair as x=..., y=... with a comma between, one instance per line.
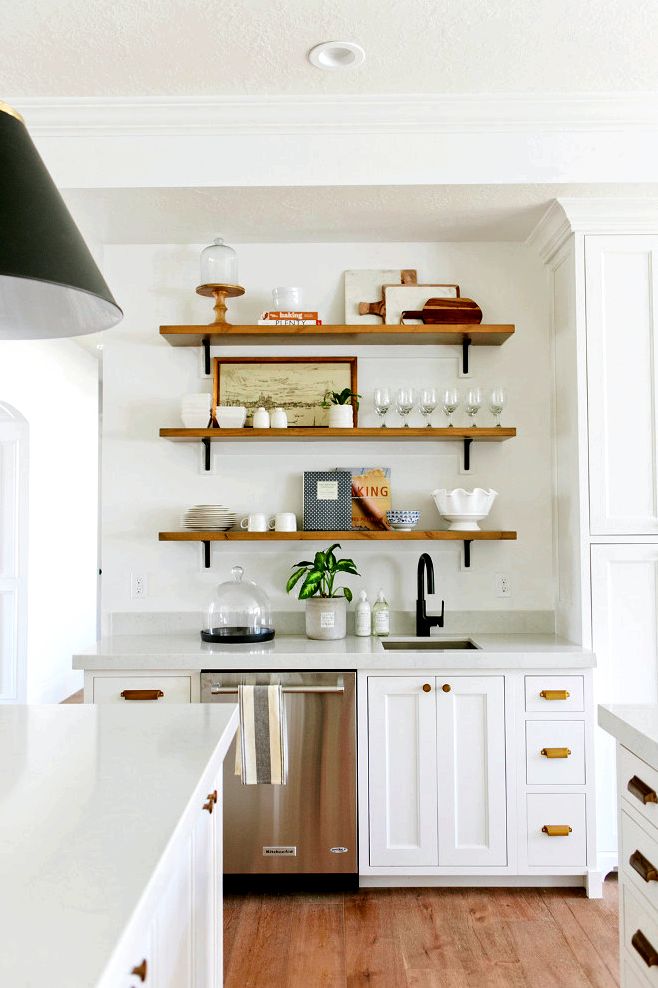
x=296, y=384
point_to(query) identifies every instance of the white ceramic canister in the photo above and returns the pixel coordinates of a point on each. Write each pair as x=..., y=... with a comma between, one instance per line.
x=279, y=419
x=261, y=418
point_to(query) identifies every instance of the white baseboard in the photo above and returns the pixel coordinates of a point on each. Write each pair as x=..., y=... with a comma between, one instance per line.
x=474, y=881
x=607, y=861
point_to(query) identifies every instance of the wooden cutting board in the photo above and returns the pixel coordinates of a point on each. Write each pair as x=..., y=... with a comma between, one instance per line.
x=446, y=311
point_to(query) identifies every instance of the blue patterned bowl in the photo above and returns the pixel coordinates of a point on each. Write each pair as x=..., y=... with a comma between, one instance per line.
x=403, y=519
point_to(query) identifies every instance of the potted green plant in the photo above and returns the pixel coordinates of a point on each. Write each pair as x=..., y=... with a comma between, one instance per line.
x=341, y=405
x=326, y=604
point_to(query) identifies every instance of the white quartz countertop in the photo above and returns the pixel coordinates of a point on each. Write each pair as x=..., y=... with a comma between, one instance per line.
x=90, y=796
x=187, y=651
x=634, y=726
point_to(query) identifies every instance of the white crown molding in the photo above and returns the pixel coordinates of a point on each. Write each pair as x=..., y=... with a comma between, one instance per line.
x=591, y=216
x=422, y=114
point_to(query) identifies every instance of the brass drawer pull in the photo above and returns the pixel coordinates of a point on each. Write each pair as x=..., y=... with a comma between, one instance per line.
x=643, y=867
x=213, y=795
x=555, y=694
x=556, y=752
x=642, y=791
x=141, y=971
x=646, y=951
x=427, y=688
x=141, y=694
x=446, y=687
x=212, y=799
x=556, y=829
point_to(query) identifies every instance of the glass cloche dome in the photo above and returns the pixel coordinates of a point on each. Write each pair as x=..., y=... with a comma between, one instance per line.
x=239, y=612
x=219, y=264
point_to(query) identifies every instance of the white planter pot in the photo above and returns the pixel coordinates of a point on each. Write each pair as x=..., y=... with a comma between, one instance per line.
x=341, y=417
x=326, y=618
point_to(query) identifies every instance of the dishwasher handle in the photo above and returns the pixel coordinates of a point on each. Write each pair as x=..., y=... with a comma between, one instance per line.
x=217, y=690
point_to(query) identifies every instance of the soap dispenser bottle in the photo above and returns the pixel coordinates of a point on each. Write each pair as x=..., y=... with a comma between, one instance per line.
x=381, y=617
x=362, y=626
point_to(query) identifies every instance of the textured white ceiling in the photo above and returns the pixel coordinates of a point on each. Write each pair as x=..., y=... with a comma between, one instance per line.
x=325, y=214
x=197, y=47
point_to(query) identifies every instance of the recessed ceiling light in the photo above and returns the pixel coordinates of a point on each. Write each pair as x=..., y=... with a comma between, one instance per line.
x=337, y=55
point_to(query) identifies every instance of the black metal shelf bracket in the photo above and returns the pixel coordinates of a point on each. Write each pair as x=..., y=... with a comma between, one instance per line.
x=206, y=555
x=206, y=353
x=466, y=342
x=467, y=453
x=206, y=446
x=467, y=553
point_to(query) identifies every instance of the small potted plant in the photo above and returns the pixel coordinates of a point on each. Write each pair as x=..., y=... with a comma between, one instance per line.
x=326, y=604
x=341, y=405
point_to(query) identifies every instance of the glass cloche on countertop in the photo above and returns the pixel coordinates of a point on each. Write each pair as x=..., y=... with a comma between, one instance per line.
x=239, y=613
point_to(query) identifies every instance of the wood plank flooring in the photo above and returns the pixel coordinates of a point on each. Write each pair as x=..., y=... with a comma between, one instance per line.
x=423, y=938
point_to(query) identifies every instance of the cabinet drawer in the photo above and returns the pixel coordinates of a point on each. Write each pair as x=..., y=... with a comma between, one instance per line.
x=536, y=685
x=644, y=782
x=630, y=977
x=640, y=848
x=556, y=810
x=640, y=934
x=175, y=689
x=564, y=744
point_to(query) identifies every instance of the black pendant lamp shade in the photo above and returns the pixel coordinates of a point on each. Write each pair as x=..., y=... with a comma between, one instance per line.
x=50, y=285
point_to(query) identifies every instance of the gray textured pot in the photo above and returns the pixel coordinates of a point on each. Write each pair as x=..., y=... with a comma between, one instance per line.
x=326, y=618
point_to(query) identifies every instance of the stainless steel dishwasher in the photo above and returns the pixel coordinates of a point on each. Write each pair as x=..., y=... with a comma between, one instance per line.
x=306, y=829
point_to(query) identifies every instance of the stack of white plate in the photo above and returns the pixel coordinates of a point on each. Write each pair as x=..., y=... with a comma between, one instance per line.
x=209, y=517
x=195, y=411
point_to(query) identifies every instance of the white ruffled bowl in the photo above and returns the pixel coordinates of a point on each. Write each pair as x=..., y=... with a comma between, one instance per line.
x=464, y=509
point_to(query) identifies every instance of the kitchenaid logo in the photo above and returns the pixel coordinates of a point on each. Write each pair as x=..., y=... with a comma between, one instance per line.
x=280, y=852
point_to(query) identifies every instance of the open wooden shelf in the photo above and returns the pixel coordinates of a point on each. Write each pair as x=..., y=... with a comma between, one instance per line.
x=464, y=434
x=476, y=335
x=206, y=537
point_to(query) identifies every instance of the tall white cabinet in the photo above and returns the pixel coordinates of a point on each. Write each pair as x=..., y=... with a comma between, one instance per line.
x=603, y=263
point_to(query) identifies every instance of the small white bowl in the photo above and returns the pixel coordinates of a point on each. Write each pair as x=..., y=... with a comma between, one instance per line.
x=231, y=416
x=464, y=509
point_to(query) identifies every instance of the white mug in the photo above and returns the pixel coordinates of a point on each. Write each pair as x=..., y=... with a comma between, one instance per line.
x=256, y=522
x=283, y=521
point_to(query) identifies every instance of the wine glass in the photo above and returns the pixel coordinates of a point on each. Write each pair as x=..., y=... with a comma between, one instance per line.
x=449, y=403
x=405, y=402
x=473, y=402
x=427, y=404
x=497, y=400
x=382, y=401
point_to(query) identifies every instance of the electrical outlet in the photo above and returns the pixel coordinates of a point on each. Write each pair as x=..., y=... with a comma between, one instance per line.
x=503, y=585
x=137, y=586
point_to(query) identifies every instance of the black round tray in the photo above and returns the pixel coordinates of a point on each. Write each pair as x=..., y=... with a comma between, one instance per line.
x=237, y=635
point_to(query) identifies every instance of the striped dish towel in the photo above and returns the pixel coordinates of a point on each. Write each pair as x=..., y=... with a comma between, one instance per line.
x=261, y=751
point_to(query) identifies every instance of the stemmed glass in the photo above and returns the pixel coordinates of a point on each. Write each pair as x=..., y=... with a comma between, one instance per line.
x=497, y=400
x=473, y=402
x=405, y=402
x=450, y=403
x=382, y=401
x=427, y=404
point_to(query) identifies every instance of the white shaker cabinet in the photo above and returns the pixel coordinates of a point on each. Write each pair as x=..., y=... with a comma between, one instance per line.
x=437, y=771
x=470, y=726
x=402, y=770
x=621, y=291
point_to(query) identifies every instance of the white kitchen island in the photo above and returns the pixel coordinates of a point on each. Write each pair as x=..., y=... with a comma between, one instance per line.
x=111, y=845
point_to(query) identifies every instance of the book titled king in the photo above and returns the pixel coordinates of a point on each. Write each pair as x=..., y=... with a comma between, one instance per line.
x=371, y=498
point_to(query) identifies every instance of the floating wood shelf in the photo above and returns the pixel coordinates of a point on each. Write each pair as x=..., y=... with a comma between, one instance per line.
x=463, y=434
x=206, y=537
x=465, y=335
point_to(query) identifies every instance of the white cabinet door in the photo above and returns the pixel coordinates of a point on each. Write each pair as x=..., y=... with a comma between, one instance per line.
x=206, y=888
x=402, y=771
x=625, y=640
x=622, y=374
x=471, y=770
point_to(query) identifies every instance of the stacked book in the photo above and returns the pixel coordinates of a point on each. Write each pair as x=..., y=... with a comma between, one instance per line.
x=289, y=319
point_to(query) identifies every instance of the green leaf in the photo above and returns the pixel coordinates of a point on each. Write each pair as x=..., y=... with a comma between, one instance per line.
x=347, y=593
x=330, y=559
x=304, y=562
x=295, y=578
x=347, y=566
x=319, y=562
x=310, y=585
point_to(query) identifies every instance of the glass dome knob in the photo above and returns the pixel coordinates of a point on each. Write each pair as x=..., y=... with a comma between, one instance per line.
x=237, y=573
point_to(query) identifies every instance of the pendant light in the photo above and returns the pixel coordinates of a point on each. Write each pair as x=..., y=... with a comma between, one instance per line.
x=50, y=286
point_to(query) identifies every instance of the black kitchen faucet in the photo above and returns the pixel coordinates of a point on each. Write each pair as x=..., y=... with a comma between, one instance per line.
x=424, y=624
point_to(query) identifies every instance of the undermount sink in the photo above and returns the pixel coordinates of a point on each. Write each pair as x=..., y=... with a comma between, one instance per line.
x=439, y=645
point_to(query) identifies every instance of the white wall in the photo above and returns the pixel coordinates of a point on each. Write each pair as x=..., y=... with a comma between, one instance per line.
x=148, y=482
x=54, y=384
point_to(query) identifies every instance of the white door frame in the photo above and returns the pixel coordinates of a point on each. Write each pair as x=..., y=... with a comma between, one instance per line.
x=14, y=492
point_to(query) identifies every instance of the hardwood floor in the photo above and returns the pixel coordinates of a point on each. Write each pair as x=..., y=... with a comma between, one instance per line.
x=423, y=938
x=75, y=697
